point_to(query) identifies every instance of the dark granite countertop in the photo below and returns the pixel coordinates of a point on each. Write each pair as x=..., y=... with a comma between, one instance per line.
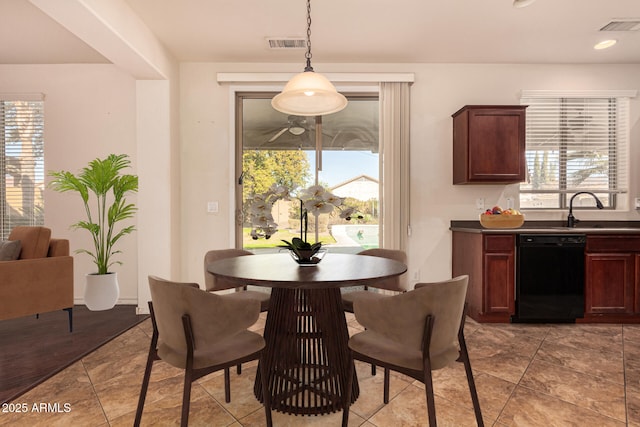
x=554, y=227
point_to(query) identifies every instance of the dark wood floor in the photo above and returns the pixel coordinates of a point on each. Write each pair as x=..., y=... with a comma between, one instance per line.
x=32, y=350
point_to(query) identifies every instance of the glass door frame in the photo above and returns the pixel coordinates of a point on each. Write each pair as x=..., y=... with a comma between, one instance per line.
x=238, y=220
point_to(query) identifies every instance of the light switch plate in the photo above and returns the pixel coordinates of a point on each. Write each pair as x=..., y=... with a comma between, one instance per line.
x=480, y=204
x=212, y=207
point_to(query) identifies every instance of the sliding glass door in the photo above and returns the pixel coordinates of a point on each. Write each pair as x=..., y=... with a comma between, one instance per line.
x=278, y=156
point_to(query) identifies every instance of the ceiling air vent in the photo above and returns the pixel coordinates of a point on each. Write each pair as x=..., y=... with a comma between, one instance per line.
x=622, y=25
x=287, y=43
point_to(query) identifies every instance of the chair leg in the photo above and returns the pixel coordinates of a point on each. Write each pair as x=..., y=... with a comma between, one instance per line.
x=464, y=355
x=472, y=384
x=147, y=370
x=266, y=396
x=385, y=397
x=143, y=390
x=227, y=385
x=347, y=393
x=426, y=371
x=186, y=398
x=428, y=385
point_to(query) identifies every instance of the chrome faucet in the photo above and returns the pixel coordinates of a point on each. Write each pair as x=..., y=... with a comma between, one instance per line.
x=571, y=220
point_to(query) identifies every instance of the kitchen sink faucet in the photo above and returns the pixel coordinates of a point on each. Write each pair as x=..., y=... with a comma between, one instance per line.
x=571, y=220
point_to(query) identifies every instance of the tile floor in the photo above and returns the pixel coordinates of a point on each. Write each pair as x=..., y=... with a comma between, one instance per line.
x=527, y=375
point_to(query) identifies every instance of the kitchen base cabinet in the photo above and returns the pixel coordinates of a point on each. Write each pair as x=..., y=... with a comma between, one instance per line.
x=489, y=260
x=611, y=278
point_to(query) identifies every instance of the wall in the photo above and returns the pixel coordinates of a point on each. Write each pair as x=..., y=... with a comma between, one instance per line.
x=439, y=90
x=90, y=112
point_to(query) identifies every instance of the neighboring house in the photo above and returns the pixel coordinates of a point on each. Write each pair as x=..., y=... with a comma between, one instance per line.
x=361, y=187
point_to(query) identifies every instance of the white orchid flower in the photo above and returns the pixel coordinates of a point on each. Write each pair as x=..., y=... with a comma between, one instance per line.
x=347, y=213
x=318, y=206
x=333, y=199
x=313, y=192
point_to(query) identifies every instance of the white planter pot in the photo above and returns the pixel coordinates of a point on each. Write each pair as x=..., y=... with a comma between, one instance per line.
x=101, y=291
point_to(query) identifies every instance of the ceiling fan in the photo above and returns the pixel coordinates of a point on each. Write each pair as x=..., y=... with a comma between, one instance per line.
x=296, y=125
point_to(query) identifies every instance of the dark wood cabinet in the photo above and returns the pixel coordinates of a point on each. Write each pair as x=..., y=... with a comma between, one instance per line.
x=489, y=144
x=489, y=260
x=611, y=276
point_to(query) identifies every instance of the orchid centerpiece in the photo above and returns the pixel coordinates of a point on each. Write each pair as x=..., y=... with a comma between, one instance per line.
x=315, y=200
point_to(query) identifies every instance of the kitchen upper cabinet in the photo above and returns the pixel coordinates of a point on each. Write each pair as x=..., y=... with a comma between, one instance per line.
x=489, y=260
x=489, y=144
x=611, y=276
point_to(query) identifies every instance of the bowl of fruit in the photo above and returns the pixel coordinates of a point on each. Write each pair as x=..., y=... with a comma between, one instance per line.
x=499, y=218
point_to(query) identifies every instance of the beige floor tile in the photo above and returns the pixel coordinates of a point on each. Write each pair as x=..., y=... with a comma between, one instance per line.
x=568, y=375
x=631, y=333
x=597, y=362
x=596, y=394
x=410, y=409
x=243, y=401
x=63, y=400
x=587, y=336
x=450, y=383
x=371, y=397
x=528, y=408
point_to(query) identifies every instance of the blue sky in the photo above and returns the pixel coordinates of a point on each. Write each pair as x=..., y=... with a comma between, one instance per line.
x=340, y=166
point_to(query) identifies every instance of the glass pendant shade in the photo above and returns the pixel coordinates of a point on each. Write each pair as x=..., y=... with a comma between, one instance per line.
x=309, y=94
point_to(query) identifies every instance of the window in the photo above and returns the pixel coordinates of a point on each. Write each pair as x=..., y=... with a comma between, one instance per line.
x=281, y=149
x=21, y=164
x=574, y=142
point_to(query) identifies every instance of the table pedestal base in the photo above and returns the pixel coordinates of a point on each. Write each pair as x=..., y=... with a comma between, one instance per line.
x=307, y=354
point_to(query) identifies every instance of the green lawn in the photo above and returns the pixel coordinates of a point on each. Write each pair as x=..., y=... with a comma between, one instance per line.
x=276, y=239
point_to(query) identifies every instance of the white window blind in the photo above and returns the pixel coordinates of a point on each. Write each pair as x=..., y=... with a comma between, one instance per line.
x=21, y=163
x=575, y=142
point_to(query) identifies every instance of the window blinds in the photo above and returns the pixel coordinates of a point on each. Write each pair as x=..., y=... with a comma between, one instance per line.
x=576, y=143
x=21, y=164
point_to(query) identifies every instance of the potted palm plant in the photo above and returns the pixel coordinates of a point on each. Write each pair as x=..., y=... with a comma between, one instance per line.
x=103, y=189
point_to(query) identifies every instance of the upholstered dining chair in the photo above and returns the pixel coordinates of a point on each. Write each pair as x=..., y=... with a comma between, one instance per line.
x=201, y=333
x=213, y=284
x=414, y=333
x=395, y=284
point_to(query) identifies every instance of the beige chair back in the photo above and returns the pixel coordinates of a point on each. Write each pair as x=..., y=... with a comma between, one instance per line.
x=405, y=316
x=214, y=318
x=398, y=283
x=212, y=283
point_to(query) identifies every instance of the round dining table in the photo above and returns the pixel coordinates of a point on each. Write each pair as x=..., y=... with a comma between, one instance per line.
x=307, y=354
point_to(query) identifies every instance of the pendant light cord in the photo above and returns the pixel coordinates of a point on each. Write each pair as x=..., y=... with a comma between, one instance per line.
x=308, y=53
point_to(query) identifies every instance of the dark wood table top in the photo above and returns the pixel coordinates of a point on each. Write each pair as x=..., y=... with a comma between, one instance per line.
x=280, y=270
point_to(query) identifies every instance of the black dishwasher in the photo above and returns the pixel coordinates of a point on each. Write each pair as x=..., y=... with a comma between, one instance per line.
x=550, y=278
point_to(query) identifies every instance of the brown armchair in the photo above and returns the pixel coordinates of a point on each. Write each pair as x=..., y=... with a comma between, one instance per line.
x=41, y=279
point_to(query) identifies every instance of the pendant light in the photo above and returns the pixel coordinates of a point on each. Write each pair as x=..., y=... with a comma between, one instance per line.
x=309, y=93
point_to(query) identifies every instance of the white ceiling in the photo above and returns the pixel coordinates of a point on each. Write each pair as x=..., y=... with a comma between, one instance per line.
x=347, y=31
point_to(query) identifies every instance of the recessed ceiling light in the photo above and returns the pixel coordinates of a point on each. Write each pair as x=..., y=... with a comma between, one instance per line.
x=522, y=3
x=605, y=44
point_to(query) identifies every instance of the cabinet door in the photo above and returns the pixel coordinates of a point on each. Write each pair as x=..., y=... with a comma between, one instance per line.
x=609, y=284
x=489, y=144
x=498, y=278
x=496, y=145
x=498, y=275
